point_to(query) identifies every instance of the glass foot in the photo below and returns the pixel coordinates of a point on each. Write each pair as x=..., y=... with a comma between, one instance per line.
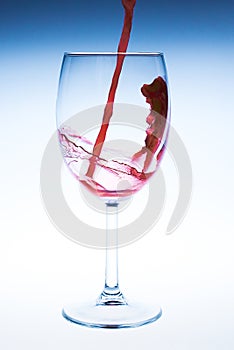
x=128, y=315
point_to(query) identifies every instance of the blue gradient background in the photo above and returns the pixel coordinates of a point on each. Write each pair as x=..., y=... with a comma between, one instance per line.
x=193, y=268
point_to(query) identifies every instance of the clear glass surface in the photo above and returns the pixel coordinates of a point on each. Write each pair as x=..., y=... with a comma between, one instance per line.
x=112, y=132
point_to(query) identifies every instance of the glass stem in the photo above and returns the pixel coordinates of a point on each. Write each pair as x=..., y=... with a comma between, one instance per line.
x=111, y=294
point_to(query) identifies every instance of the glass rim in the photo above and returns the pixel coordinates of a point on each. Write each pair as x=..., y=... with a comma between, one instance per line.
x=112, y=53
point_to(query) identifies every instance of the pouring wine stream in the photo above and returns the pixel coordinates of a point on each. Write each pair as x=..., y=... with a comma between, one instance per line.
x=108, y=111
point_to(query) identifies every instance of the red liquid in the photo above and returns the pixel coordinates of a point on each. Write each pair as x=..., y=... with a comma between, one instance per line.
x=112, y=178
x=122, y=47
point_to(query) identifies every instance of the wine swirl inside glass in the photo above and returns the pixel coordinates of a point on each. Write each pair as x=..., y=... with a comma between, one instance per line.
x=99, y=165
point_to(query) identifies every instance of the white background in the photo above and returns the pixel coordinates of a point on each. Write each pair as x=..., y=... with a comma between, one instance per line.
x=190, y=273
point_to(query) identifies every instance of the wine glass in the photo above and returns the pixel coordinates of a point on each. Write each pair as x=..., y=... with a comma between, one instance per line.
x=113, y=113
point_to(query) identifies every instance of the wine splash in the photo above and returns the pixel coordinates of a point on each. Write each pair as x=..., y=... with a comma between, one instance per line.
x=108, y=111
x=112, y=178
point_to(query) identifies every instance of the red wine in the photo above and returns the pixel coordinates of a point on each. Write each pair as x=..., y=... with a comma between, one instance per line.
x=112, y=178
x=108, y=111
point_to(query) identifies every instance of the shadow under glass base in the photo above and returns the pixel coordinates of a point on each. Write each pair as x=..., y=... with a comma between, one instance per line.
x=96, y=315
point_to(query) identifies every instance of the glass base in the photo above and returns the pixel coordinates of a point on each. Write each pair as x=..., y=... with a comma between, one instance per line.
x=98, y=315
